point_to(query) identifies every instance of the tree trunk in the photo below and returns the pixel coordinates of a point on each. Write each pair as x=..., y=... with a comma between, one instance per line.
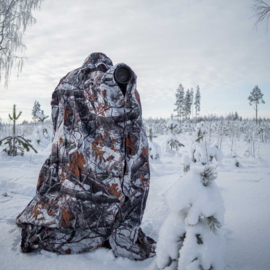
x=256, y=113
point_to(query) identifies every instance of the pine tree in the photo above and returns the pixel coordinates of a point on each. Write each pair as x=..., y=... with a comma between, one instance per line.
x=256, y=96
x=192, y=100
x=154, y=148
x=151, y=136
x=197, y=102
x=16, y=144
x=187, y=103
x=35, y=109
x=180, y=105
x=37, y=113
x=171, y=141
x=191, y=236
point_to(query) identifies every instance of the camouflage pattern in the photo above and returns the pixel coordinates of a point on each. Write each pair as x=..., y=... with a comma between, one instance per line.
x=93, y=188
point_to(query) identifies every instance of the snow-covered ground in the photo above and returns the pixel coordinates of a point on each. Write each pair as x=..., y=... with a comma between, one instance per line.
x=245, y=191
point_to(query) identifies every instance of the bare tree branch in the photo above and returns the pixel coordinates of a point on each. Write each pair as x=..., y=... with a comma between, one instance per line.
x=15, y=16
x=261, y=10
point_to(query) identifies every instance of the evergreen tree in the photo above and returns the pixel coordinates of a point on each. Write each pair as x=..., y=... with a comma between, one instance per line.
x=191, y=236
x=187, y=103
x=16, y=144
x=35, y=109
x=197, y=102
x=171, y=141
x=180, y=105
x=151, y=136
x=37, y=113
x=192, y=100
x=256, y=96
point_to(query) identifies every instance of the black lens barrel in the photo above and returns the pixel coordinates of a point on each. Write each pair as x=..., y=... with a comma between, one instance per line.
x=123, y=75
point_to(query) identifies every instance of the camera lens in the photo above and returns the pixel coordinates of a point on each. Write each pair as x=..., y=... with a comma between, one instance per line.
x=123, y=75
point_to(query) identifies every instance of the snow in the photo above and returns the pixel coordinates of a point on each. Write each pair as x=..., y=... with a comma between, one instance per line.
x=245, y=191
x=188, y=199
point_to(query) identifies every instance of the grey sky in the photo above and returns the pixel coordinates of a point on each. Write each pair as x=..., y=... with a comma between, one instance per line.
x=210, y=43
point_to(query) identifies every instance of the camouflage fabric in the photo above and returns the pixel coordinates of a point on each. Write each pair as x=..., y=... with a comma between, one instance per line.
x=93, y=188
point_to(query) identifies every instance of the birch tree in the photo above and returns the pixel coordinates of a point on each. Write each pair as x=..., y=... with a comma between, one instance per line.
x=261, y=11
x=15, y=17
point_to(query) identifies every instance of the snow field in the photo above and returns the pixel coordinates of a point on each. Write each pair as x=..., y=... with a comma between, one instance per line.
x=245, y=191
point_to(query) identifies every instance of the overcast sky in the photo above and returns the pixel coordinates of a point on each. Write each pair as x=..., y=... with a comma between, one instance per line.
x=210, y=43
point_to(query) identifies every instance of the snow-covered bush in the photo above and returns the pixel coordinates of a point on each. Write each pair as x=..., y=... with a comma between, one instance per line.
x=37, y=113
x=171, y=142
x=41, y=136
x=200, y=150
x=154, y=148
x=252, y=137
x=155, y=151
x=191, y=236
x=186, y=163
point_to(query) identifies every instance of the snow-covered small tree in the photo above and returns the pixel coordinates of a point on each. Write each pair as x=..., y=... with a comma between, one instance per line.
x=171, y=143
x=187, y=104
x=16, y=145
x=191, y=236
x=252, y=137
x=186, y=163
x=256, y=96
x=192, y=100
x=180, y=102
x=200, y=150
x=36, y=108
x=40, y=132
x=37, y=113
x=154, y=148
x=197, y=102
x=41, y=116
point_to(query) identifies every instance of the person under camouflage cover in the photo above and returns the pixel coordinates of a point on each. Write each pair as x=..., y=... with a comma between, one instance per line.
x=92, y=190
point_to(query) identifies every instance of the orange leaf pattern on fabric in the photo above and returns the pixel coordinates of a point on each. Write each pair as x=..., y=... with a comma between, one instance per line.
x=145, y=151
x=40, y=180
x=67, y=113
x=131, y=150
x=137, y=96
x=145, y=181
x=76, y=165
x=66, y=216
x=114, y=190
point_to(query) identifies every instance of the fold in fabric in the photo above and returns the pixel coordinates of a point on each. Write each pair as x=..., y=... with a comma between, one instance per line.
x=93, y=187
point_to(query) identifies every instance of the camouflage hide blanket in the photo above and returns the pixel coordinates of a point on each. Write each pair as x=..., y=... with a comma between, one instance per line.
x=92, y=190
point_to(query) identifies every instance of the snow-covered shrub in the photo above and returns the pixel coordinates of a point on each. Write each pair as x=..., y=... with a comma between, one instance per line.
x=252, y=137
x=155, y=151
x=191, y=236
x=154, y=148
x=41, y=136
x=186, y=163
x=171, y=142
x=37, y=113
x=200, y=150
